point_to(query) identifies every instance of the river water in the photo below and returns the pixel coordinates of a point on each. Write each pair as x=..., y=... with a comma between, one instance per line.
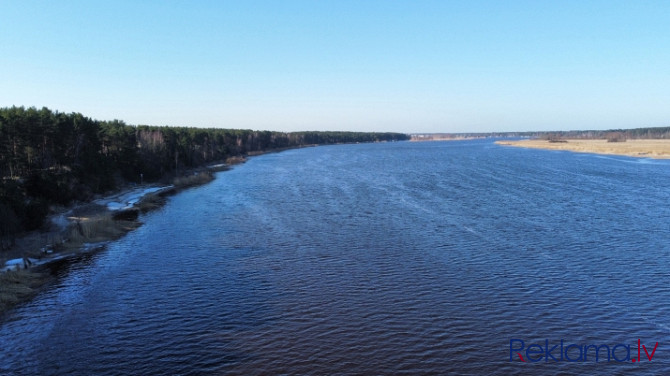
x=397, y=258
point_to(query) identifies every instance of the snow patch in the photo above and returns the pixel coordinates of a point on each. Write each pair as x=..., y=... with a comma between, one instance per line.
x=19, y=263
x=128, y=199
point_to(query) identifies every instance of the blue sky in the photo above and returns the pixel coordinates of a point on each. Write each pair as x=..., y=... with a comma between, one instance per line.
x=408, y=66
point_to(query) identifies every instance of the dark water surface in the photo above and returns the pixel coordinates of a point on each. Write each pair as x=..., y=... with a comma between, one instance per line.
x=400, y=258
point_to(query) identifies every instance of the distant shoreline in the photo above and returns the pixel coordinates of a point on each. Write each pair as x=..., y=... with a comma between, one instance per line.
x=429, y=138
x=639, y=148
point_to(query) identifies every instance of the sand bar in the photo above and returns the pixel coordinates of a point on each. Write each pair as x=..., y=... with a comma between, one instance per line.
x=659, y=149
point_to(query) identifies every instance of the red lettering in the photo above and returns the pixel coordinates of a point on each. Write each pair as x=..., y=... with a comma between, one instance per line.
x=652, y=353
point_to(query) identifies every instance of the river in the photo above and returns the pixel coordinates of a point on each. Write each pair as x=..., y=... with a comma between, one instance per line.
x=395, y=258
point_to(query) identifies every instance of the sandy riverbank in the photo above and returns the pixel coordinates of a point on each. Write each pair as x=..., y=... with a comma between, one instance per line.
x=659, y=149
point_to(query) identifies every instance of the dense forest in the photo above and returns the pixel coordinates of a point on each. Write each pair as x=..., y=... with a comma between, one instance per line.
x=631, y=134
x=49, y=157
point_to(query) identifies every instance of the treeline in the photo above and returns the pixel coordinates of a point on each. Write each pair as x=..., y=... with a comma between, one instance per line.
x=656, y=133
x=49, y=157
x=651, y=133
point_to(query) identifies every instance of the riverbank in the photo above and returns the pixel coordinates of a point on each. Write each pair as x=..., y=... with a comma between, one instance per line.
x=85, y=228
x=659, y=149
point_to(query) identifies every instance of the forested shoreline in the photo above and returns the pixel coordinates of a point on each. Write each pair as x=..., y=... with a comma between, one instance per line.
x=53, y=158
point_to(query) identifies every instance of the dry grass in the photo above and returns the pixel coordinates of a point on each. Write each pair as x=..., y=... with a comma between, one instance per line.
x=199, y=178
x=150, y=202
x=17, y=286
x=238, y=159
x=659, y=149
x=97, y=229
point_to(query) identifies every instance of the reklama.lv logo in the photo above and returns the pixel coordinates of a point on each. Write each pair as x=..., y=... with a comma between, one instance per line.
x=573, y=352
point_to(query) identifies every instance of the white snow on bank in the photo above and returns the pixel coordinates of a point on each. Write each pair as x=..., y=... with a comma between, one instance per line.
x=127, y=199
x=16, y=264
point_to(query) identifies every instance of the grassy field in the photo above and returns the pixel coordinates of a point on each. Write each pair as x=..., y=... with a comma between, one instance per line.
x=633, y=148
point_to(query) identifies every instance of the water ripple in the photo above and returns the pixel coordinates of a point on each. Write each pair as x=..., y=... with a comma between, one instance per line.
x=402, y=258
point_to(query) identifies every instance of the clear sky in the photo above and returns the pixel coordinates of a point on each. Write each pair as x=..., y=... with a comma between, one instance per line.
x=408, y=66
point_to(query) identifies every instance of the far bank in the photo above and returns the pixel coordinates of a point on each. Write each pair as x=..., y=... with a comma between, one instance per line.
x=640, y=148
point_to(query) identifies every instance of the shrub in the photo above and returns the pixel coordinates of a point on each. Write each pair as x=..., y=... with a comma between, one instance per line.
x=193, y=180
x=91, y=230
x=616, y=137
x=554, y=137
